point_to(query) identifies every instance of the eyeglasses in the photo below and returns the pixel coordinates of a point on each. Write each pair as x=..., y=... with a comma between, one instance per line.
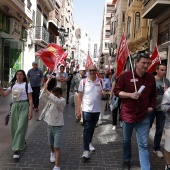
x=101, y=73
x=92, y=70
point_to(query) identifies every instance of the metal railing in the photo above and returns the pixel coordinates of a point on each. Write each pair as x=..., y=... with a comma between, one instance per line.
x=41, y=34
x=164, y=36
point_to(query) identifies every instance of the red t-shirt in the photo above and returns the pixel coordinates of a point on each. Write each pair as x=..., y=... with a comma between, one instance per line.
x=135, y=110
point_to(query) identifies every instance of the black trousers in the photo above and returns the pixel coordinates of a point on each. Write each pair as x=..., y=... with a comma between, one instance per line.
x=68, y=93
x=35, y=96
x=115, y=113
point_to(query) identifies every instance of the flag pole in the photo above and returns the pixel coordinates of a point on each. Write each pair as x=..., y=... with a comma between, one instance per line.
x=133, y=73
x=42, y=91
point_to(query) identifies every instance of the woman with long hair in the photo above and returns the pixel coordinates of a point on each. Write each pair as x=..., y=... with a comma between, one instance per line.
x=21, y=110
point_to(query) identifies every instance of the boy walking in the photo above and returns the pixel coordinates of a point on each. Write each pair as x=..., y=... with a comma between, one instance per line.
x=53, y=115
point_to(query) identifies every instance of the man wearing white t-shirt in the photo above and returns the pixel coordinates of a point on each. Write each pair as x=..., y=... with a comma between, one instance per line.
x=89, y=96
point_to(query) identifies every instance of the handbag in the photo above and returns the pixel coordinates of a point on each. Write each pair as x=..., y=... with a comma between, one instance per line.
x=114, y=102
x=8, y=115
x=105, y=97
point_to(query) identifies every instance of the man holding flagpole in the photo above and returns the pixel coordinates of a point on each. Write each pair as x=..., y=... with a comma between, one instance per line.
x=135, y=109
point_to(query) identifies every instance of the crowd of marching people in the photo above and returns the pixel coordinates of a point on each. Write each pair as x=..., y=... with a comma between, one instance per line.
x=94, y=91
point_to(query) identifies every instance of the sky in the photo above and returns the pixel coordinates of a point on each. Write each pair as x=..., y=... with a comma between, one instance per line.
x=88, y=14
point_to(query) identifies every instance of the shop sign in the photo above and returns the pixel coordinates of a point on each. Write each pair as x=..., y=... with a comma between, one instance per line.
x=15, y=28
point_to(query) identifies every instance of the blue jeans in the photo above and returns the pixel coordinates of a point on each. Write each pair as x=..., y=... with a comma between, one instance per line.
x=89, y=123
x=160, y=122
x=142, y=134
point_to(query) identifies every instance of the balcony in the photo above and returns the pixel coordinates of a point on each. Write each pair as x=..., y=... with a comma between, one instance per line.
x=41, y=35
x=151, y=8
x=141, y=34
x=54, y=21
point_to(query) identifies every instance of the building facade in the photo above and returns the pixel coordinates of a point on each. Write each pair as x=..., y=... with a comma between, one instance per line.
x=15, y=18
x=27, y=26
x=159, y=27
x=105, y=34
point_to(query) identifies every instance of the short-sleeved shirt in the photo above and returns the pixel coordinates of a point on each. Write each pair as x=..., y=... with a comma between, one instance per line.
x=106, y=81
x=61, y=75
x=160, y=91
x=91, y=95
x=135, y=110
x=35, y=77
x=19, y=91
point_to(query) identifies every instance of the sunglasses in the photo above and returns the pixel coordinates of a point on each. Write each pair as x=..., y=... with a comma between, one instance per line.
x=92, y=70
x=101, y=73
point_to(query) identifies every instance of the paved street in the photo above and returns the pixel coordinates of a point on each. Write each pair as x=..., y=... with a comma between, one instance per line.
x=108, y=144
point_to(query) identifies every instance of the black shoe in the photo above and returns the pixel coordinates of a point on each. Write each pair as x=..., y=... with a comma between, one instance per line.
x=16, y=155
x=126, y=165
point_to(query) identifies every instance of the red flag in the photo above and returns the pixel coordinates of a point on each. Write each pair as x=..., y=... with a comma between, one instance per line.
x=88, y=62
x=62, y=59
x=52, y=55
x=155, y=58
x=122, y=55
x=56, y=49
x=48, y=58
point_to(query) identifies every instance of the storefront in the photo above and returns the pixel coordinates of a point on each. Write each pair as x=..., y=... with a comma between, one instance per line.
x=11, y=46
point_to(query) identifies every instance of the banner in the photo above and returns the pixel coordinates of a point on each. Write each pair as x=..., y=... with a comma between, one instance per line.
x=155, y=58
x=122, y=54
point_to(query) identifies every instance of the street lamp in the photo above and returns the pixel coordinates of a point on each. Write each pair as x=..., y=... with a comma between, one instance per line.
x=62, y=35
x=101, y=60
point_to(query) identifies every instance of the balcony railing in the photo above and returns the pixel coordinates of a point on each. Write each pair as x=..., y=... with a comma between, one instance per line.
x=164, y=37
x=41, y=34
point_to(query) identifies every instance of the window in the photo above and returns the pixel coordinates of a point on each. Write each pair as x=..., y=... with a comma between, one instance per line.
x=123, y=16
x=107, y=33
x=128, y=27
x=106, y=45
x=111, y=28
x=130, y=2
x=29, y=4
x=137, y=21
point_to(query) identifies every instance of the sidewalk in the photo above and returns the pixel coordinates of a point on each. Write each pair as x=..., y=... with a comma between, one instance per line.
x=108, y=144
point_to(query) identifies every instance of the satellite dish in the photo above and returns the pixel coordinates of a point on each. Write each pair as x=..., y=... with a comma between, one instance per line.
x=78, y=33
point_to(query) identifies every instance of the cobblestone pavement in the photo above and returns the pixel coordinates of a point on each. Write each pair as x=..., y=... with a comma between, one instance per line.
x=108, y=144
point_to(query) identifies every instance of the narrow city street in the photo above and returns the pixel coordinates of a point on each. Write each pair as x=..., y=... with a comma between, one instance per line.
x=108, y=144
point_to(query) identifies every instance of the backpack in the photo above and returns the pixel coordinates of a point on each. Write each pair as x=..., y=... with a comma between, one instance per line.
x=103, y=97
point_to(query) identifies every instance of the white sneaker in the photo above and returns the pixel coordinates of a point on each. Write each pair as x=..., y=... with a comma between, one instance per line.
x=52, y=157
x=86, y=155
x=16, y=155
x=99, y=122
x=114, y=128
x=56, y=168
x=158, y=153
x=91, y=147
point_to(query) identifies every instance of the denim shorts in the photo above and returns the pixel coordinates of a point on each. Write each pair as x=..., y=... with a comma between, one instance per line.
x=54, y=135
